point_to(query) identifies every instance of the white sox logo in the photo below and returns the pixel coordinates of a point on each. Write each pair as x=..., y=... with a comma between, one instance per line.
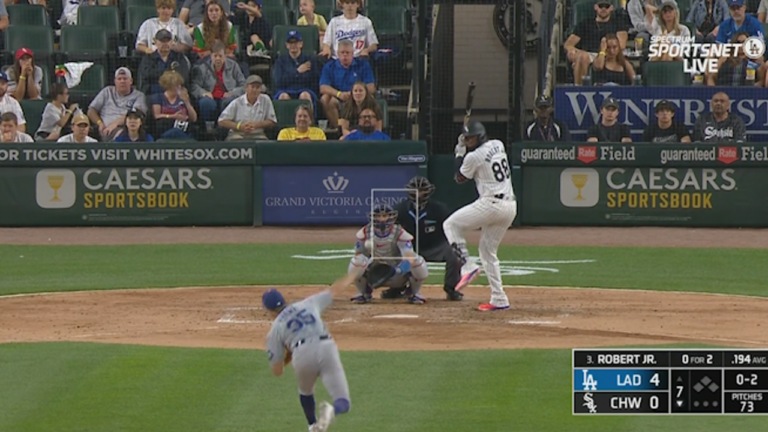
x=335, y=184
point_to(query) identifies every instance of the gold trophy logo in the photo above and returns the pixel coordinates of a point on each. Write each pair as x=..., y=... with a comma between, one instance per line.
x=55, y=182
x=579, y=180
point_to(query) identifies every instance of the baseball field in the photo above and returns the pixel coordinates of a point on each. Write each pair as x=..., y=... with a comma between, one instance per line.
x=161, y=329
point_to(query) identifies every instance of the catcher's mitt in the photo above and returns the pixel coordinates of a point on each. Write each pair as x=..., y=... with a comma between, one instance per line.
x=379, y=274
x=287, y=357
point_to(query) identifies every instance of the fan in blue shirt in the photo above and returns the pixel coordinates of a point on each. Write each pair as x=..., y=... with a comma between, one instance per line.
x=739, y=21
x=366, y=128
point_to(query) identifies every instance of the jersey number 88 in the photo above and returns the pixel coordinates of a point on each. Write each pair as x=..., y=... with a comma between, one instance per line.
x=500, y=170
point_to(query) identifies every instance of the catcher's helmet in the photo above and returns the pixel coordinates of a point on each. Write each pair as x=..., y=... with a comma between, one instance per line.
x=423, y=187
x=475, y=128
x=272, y=300
x=383, y=219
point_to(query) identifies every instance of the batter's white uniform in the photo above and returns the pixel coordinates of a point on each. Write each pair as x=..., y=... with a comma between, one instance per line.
x=493, y=212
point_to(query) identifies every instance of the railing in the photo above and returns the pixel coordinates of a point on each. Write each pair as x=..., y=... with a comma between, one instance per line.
x=551, y=26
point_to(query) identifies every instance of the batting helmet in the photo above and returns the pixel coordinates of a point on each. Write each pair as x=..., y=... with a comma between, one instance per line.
x=421, y=186
x=383, y=219
x=272, y=300
x=475, y=128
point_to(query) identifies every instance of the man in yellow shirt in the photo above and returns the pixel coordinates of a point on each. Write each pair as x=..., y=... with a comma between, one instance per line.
x=303, y=131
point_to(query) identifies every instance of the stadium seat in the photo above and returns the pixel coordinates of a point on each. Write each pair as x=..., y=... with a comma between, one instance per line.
x=45, y=87
x=665, y=73
x=92, y=81
x=326, y=10
x=389, y=22
x=285, y=112
x=33, y=113
x=684, y=6
x=84, y=43
x=691, y=27
x=28, y=15
x=276, y=15
x=309, y=35
x=37, y=38
x=107, y=17
x=126, y=4
x=765, y=29
x=135, y=17
x=582, y=9
x=384, y=114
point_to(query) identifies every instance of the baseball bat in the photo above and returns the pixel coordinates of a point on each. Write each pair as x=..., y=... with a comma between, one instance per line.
x=470, y=99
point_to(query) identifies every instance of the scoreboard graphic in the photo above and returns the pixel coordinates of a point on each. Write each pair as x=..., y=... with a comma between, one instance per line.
x=659, y=382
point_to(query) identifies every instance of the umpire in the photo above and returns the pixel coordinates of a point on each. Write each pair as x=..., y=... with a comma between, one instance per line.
x=425, y=223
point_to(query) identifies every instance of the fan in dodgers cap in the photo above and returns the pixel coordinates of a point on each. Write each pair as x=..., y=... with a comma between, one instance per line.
x=609, y=129
x=296, y=73
x=108, y=109
x=739, y=21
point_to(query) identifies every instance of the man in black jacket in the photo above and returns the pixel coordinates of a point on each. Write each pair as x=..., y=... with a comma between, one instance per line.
x=153, y=65
x=425, y=223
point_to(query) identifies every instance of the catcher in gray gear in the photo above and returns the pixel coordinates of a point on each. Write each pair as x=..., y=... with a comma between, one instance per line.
x=384, y=256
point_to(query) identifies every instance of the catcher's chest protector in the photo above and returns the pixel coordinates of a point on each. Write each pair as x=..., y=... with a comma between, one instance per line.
x=386, y=247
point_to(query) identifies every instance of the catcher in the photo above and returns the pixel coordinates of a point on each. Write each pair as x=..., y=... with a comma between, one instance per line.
x=299, y=331
x=384, y=256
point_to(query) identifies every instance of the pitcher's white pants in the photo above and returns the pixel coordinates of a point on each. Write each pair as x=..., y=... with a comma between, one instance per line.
x=494, y=217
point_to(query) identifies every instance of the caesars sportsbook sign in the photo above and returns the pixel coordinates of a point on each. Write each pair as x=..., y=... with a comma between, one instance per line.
x=644, y=185
x=79, y=187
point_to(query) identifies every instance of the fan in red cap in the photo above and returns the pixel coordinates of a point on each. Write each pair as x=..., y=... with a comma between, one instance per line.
x=24, y=77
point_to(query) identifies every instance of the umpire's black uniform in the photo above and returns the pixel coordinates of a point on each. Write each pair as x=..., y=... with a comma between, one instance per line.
x=432, y=244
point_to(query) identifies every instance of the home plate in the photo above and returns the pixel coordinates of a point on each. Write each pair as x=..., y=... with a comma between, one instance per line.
x=397, y=316
x=533, y=322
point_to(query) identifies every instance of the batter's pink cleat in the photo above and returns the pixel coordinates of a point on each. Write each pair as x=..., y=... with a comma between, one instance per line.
x=467, y=278
x=485, y=307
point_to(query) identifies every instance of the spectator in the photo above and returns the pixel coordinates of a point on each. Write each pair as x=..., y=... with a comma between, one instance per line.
x=339, y=76
x=9, y=132
x=55, y=115
x=309, y=17
x=546, y=128
x=707, y=15
x=366, y=128
x=583, y=44
x=352, y=27
x=193, y=11
x=762, y=11
x=638, y=11
x=739, y=21
x=30, y=76
x=719, y=125
x=4, y=20
x=134, y=130
x=247, y=116
x=666, y=22
x=256, y=29
x=109, y=107
x=350, y=112
x=216, y=81
x=609, y=129
x=732, y=71
x=304, y=131
x=610, y=67
x=172, y=109
x=9, y=104
x=79, y=134
x=215, y=27
x=163, y=58
x=181, y=40
x=666, y=130
x=69, y=10
x=296, y=73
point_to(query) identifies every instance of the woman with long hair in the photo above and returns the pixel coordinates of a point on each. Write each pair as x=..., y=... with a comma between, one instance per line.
x=350, y=113
x=25, y=79
x=56, y=115
x=172, y=109
x=610, y=67
x=215, y=26
x=665, y=22
x=134, y=130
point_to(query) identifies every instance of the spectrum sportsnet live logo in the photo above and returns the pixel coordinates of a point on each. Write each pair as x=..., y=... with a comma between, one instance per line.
x=701, y=58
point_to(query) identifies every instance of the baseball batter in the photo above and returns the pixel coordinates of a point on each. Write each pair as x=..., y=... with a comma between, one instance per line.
x=486, y=162
x=299, y=335
x=386, y=242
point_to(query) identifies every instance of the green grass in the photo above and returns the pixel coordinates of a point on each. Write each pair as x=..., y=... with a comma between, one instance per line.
x=63, y=387
x=67, y=387
x=66, y=268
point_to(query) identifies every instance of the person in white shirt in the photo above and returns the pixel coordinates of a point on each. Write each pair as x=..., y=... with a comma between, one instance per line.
x=9, y=132
x=350, y=26
x=80, y=126
x=9, y=104
x=247, y=116
x=182, y=40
